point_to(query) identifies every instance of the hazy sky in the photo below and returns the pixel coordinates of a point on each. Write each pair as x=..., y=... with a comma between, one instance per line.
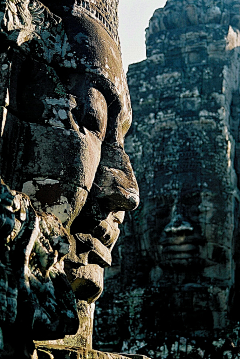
x=134, y=16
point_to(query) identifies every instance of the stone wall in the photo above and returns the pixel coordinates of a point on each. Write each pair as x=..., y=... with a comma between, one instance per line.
x=174, y=282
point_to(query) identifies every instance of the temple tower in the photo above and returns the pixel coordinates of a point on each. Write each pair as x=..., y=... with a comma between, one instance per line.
x=177, y=262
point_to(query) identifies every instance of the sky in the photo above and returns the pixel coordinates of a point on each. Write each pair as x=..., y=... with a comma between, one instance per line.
x=134, y=16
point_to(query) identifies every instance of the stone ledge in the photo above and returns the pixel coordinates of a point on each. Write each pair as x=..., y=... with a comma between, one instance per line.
x=66, y=352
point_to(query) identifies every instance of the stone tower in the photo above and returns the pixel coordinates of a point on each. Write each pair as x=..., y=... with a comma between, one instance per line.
x=175, y=281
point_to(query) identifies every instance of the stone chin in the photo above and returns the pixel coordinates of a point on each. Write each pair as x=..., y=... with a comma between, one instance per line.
x=85, y=265
x=87, y=282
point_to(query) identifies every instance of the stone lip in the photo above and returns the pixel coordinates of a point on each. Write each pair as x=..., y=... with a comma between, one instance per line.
x=98, y=253
x=85, y=264
x=180, y=248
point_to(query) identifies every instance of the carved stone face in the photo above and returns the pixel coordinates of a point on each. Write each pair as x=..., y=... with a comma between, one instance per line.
x=69, y=112
x=190, y=221
x=194, y=226
x=186, y=228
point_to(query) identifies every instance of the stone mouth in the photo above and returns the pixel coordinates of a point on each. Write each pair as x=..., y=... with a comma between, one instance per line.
x=180, y=248
x=91, y=250
x=107, y=232
x=182, y=254
x=104, y=235
x=182, y=240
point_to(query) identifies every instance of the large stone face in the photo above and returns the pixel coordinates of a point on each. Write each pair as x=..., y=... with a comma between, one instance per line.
x=65, y=110
x=176, y=266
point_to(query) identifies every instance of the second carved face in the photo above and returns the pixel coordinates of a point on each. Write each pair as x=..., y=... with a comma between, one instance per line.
x=189, y=216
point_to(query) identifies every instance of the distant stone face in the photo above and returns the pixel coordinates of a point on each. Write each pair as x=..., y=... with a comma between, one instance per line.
x=179, y=14
x=65, y=111
x=177, y=262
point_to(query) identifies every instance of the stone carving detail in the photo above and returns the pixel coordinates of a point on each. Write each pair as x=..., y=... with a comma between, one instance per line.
x=65, y=110
x=104, y=11
x=35, y=292
x=177, y=262
x=179, y=14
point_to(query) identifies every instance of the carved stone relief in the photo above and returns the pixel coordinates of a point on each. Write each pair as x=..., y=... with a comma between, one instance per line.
x=177, y=261
x=65, y=111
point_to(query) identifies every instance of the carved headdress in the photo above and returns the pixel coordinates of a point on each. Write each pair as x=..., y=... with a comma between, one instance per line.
x=105, y=11
x=92, y=30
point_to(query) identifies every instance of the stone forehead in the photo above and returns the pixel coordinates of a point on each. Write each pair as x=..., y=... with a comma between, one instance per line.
x=104, y=11
x=208, y=3
x=182, y=13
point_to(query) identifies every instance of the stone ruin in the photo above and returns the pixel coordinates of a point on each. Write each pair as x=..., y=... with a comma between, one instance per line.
x=66, y=180
x=173, y=290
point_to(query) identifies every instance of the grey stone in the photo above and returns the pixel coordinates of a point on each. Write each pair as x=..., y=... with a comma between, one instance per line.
x=176, y=264
x=65, y=109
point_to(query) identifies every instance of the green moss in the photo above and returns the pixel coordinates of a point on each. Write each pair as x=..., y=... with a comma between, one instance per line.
x=59, y=89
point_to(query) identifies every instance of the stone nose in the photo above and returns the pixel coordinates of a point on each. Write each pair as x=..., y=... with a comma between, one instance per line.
x=115, y=183
x=177, y=223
